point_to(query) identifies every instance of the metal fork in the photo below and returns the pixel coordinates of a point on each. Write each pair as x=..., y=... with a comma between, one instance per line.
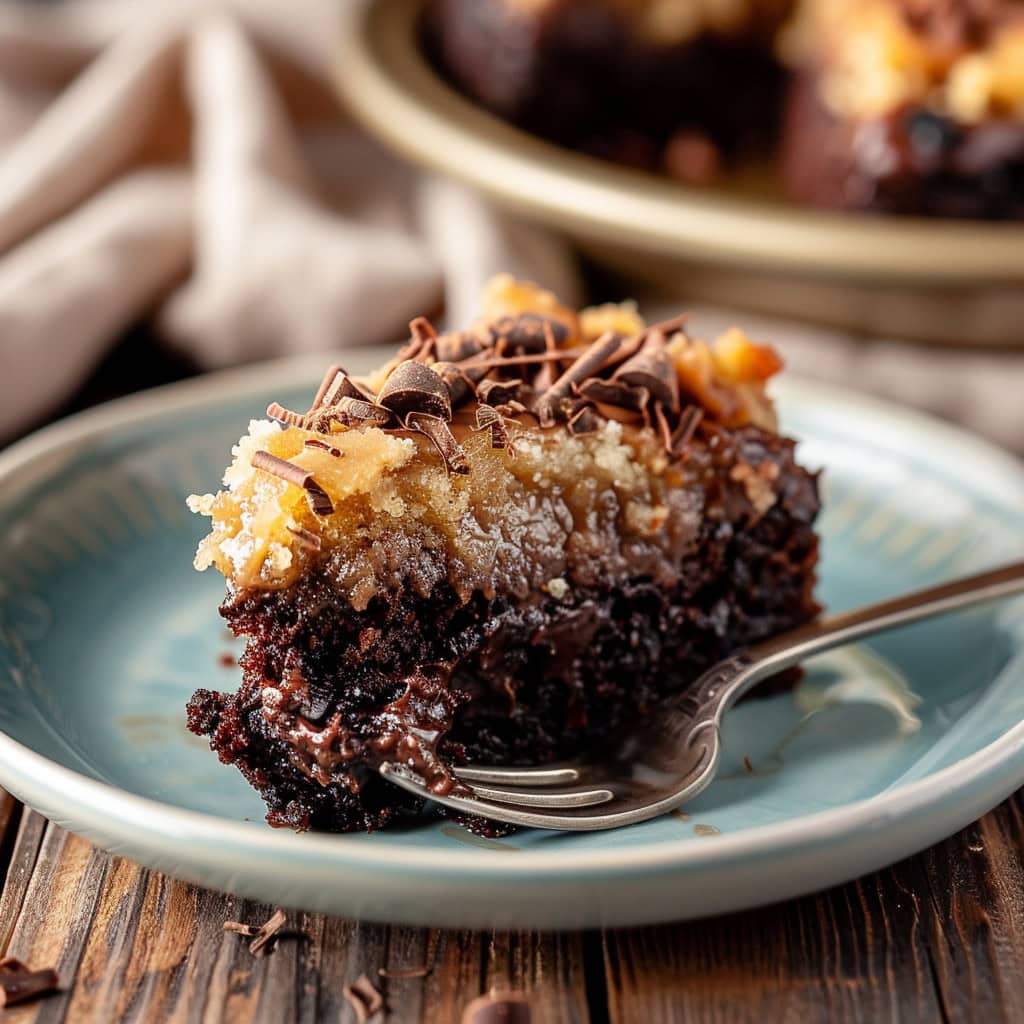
x=675, y=754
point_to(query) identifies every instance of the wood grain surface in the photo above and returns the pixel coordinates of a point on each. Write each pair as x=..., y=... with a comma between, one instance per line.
x=939, y=937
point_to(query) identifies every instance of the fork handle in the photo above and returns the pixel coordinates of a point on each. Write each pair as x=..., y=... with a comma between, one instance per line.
x=791, y=648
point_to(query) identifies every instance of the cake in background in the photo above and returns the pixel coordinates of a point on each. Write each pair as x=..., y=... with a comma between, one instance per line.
x=907, y=106
x=891, y=106
x=658, y=84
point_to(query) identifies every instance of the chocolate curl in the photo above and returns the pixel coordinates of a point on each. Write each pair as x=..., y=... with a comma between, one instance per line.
x=364, y=999
x=498, y=392
x=549, y=405
x=664, y=428
x=350, y=412
x=332, y=372
x=18, y=983
x=285, y=416
x=548, y=372
x=306, y=538
x=319, y=501
x=652, y=369
x=526, y=332
x=614, y=392
x=342, y=386
x=413, y=387
x=437, y=430
x=457, y=347
x=421, y=330
x=686, y=428
x=313, y=442
x=459, y=383
x=488, y=416
x=584, y=421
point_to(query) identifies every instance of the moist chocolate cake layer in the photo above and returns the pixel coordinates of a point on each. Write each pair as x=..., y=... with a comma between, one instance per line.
x=329, y=692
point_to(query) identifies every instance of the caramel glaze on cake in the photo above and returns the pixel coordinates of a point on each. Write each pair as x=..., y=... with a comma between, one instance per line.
x=499, y=548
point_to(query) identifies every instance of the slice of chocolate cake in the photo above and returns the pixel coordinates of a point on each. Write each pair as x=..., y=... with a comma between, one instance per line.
x=908, y=106
x=670, y=85
x=500, y=548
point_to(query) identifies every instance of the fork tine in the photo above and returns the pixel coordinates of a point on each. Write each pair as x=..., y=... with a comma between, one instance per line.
x=518, y=798
x=519, y=776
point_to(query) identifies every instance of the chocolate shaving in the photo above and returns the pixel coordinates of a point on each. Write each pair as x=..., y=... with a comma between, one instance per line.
x=584, y=421
x=458, y=383
x=498, y=1008
x=319, y=500
x=332, y=372
x=342, y=387
x=488, y=416
x=652, y=369
x=248, y=930
x=313, y=442
x=527, y=332
x=497, y=392
x=286, y=416
x=617, y=393
x=306, y=538
x=422, y=330
x=413, y=387
x=19, y=984
x=351, y=412
x=267, y=933
x=444, y=441
x=363, y=998
x=549, y=405
x=548, y=372
x=664, y=427
x=458, y=346
x=403, y=972
x=688, y=423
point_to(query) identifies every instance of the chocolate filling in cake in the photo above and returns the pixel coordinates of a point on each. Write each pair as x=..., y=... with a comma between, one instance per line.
x=501, y=548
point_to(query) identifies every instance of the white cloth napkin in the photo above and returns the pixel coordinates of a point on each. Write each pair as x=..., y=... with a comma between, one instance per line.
x=191, y=158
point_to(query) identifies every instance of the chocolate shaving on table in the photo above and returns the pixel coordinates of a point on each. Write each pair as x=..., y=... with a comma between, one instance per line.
x=403, y=972
x=267, y=933
x=363, y=998
x=413, y=387
x=652, y=369
x=444, y=441
x=548, y=406
x=319, y=500
x=313, y=442
x=19, y=984
x=498, y=1008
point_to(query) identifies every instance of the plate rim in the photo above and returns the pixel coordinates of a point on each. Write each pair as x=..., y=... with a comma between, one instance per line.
x=987, y=767
x=396, y=95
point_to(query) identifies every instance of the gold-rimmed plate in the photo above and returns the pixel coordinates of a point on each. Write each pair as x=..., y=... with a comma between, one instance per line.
x=739, y=243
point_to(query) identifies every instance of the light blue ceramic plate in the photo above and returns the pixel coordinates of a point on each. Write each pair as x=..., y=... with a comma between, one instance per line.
x=105, y=630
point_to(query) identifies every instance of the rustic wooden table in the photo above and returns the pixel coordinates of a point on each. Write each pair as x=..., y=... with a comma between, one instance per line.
x=939, y=937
